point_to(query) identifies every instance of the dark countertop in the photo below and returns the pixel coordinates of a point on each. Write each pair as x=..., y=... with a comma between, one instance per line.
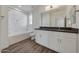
x=59, y=29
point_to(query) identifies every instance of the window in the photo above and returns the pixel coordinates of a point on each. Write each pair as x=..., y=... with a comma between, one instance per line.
x=30, y=18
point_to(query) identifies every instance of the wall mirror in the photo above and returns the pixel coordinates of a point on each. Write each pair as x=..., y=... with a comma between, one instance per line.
x=59, y=19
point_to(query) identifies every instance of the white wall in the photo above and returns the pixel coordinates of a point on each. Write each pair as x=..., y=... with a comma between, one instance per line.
x=6, y=40
x=18, y=26
x=29, y=23
x=4, y=29
x=17, y=22
x=36, y=19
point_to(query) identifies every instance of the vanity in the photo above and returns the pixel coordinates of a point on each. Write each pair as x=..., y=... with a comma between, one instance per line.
x=59, y=29
x=59, y=39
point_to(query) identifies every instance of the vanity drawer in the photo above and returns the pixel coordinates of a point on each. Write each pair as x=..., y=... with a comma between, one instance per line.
x=67, y=35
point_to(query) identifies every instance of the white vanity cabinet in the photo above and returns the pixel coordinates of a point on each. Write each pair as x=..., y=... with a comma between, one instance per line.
x=58, y=41
x=68, y=42
x=53, y=42
x=42, y=37
x=67, y=45
x=62, y=42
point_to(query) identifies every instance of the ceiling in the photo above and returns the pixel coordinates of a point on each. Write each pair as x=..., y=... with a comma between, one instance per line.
x=28, y=8
x=25, y=8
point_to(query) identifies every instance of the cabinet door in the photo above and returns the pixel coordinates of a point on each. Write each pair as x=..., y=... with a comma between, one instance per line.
x=67, y=45
x=53, y=41
x=37, y=36
x=42, y=38
x=78, y=43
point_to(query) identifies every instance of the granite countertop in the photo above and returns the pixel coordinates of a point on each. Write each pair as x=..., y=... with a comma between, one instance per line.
x=59, y=29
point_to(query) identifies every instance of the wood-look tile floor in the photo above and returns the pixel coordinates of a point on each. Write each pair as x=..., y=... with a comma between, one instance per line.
x=27, y=46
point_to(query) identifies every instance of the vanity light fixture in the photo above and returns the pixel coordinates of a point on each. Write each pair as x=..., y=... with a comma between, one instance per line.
x=48, y=7
x=51, y=7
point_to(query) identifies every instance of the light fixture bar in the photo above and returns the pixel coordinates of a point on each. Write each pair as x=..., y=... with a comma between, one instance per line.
x=47, y=8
